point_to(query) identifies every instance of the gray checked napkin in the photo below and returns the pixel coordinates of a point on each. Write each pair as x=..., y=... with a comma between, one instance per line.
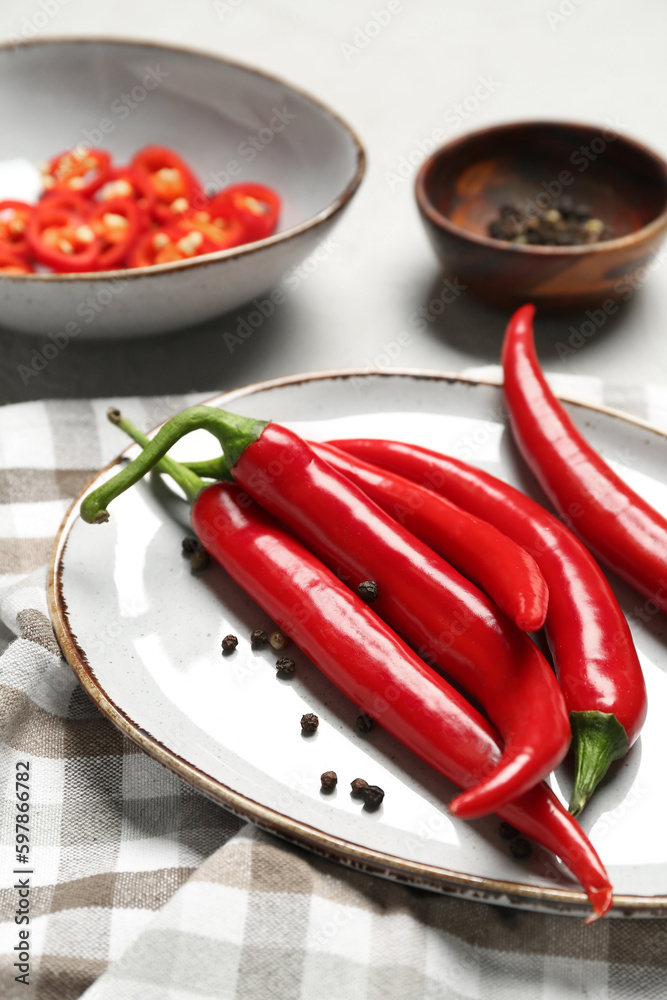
x=141, y=888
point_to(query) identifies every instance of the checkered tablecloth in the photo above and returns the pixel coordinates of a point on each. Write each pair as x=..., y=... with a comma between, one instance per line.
x=141, y=888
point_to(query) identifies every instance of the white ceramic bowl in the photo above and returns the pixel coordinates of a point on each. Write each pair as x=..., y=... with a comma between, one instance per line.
x=230, y=122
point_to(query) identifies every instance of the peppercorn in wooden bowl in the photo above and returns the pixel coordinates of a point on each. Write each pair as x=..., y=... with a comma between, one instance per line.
x=563, y=215
x=208, y=118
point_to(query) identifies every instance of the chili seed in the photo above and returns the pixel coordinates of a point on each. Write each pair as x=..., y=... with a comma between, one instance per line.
x=373, y=796
x=364, y=723
x=258, y=638
x=329, y=780
x=189, y=545
x=285, y=666
x=229, y=644
x=199, y=558
x=368, y=591
x=358, y=786
x=520, y=847
x=278, y=640
x=309, y=722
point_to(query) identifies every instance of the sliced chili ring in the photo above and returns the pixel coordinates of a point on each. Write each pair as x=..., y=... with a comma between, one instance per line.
x=14, y=218
x=61, y=240
x=220, y=232
x=126, y=182
x=12, y=263
x=115, y=223
x=69, y=201
x=255, y=205
x=80, y=169
x=176, y=188
x=169, y=245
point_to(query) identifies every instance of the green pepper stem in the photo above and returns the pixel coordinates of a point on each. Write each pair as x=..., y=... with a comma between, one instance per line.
x=214, y=468
x=187, y=479
x=233, y=432
x=598, y=739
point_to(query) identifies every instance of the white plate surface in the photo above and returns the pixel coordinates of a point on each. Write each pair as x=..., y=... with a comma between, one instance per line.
x=147, y=648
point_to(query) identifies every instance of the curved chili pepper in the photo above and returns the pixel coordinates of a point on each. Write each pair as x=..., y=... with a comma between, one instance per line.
x=360, y=654
x=425, y=599
x=615, y=523
x=483, y=554
x=14, y=218
x=597, y=664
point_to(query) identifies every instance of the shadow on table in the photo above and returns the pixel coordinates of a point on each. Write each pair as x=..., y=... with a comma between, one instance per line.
x=218, y=354
x=452, y=317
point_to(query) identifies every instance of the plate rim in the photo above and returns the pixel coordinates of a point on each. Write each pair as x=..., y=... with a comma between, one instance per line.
x=418, y=874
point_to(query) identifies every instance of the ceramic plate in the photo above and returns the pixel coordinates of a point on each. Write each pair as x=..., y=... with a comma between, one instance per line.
x=143, y=635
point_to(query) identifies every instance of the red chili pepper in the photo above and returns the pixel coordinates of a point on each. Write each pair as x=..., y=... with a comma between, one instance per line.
x=615, y=523
x=489, y=558
x=61, y=240
x=176, y=188
x=426, y=600
x=255, y=206
x=70, y=201
x=116, y=225
x=14, y=218
x=80, y=169
x=589, y=638
x=126, y=182
x=10, y=263
x=220, y=234
x=169, y=244
x=358, y=653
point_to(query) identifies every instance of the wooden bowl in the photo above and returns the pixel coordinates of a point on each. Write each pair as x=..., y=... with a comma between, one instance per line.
x=461, y=187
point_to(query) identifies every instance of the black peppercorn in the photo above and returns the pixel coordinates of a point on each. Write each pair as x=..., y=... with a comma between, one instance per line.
x=520, y=848
x=329, y=780
x=285, y=666
x=189, y=545
x=258, y=638
x=278, y=640
x=229, y=644
x=358, y=786
x=368, y=591
x=506, y=831
x=364, y=723
x=199, y=558
x=373, y=796
x=309, y=722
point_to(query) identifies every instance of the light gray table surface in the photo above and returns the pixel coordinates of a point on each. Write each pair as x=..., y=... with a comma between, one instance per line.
x=589, y=60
